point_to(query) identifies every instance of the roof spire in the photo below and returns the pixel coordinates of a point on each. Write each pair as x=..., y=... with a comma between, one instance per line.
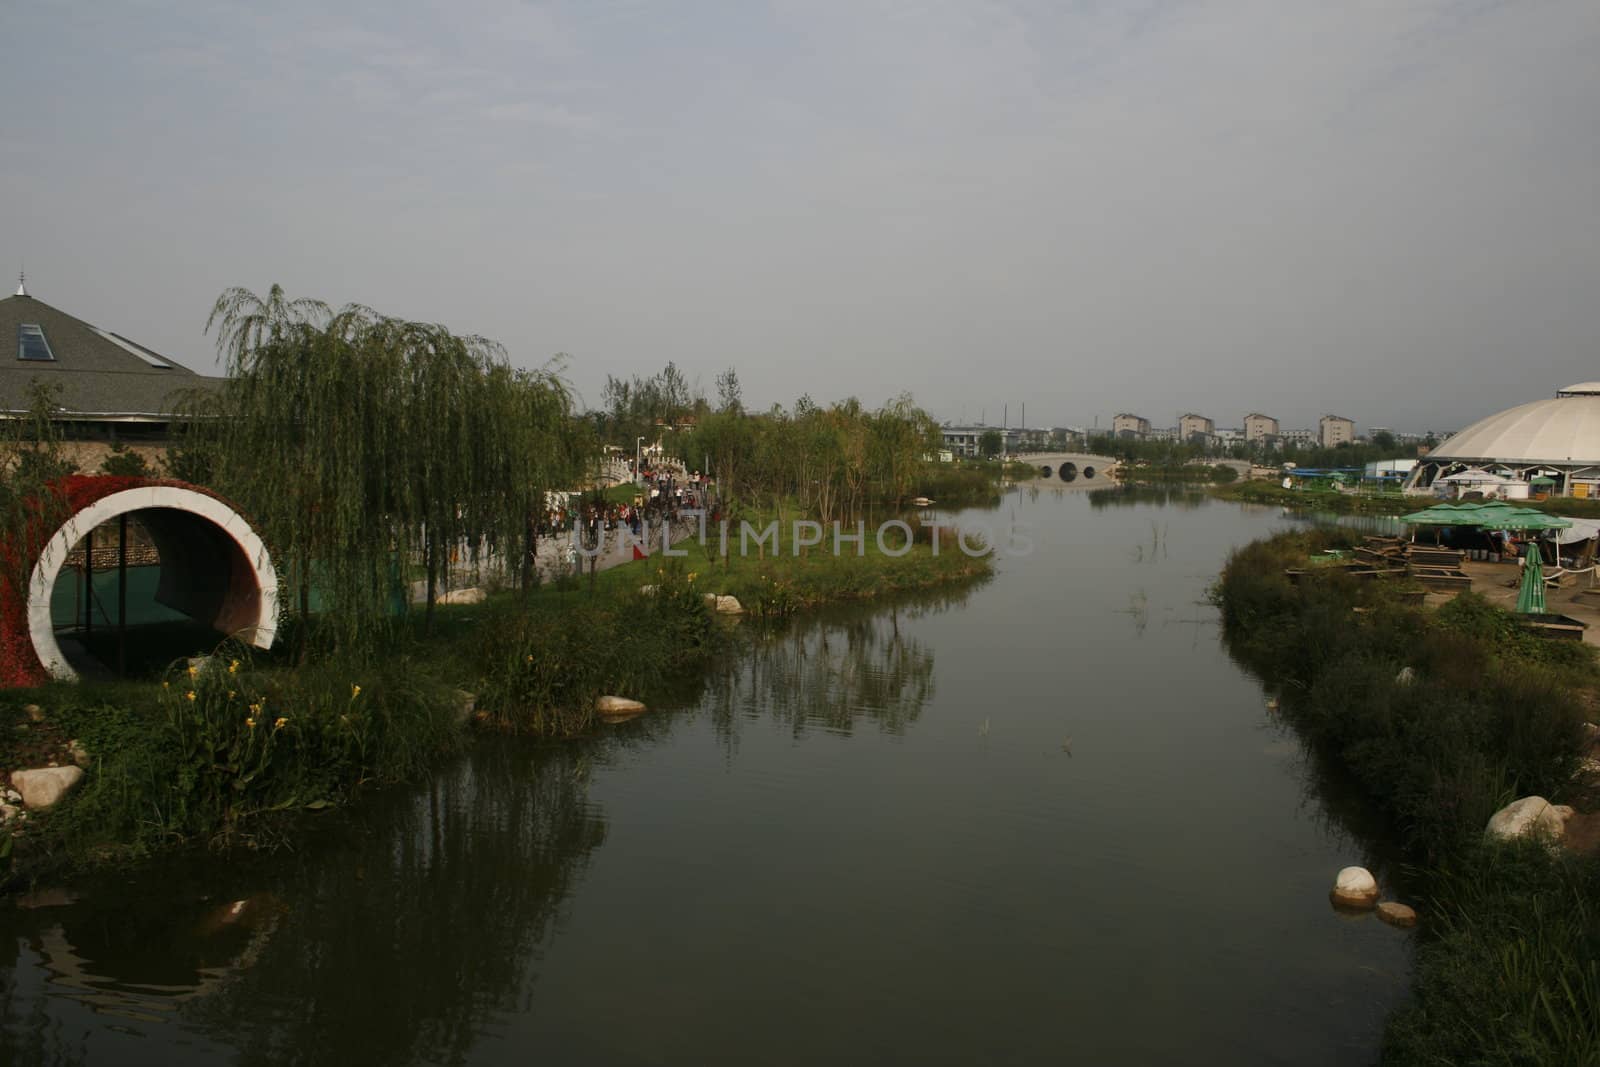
x=22, y=283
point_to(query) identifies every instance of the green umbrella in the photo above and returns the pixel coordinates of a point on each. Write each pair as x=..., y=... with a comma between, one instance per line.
x=1530, y=600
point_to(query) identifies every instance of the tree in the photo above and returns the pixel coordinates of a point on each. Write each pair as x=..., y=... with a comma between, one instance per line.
x=361, y=443
x=990, y=443
x=730, y=398
x=124, y=463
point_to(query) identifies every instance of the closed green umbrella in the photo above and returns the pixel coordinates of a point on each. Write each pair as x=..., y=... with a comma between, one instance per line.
x=1530, y=600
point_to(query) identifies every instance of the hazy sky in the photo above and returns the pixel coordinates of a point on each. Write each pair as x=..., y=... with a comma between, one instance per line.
x=1385, y=208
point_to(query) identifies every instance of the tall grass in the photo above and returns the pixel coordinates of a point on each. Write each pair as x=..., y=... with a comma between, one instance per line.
x=1506, y=968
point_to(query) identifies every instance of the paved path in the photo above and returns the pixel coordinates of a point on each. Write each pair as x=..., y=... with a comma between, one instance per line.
x=554, y=558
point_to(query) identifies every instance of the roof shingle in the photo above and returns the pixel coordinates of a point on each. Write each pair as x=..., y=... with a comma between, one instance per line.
x=97, y=374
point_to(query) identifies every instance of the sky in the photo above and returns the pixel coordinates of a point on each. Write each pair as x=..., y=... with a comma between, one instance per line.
x=1388, y=209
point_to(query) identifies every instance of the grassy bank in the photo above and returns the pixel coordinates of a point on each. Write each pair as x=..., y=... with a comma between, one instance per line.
x=1390, y=503
x=1272, y=494
x=1505, y=967
x=240, y=749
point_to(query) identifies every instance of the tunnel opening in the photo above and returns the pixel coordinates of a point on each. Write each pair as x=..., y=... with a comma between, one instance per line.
x=1088, y=472
x=140, y=577
x=1044, y=471
x=1069, y=471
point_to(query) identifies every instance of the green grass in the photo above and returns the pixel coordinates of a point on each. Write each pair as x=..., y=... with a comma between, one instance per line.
x=263, y=741
x=1388, y=501
x=1505, y=970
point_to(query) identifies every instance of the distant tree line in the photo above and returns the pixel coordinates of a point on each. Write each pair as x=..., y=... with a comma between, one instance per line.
x=1382, y=446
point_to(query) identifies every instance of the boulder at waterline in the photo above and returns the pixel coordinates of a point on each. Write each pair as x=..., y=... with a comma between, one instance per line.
x=1530, y=815
x=42, y=787
x=617, y=708
x=470, y=595
x=35, y=712
x=1406, y=676
x=1397, y=914
x=729, y=605
x=1355, y=888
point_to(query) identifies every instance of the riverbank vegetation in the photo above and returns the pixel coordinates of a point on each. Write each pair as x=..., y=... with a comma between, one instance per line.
x=1487, y=713
x=369, y=451
x=1345, y=455
x=1376, y=502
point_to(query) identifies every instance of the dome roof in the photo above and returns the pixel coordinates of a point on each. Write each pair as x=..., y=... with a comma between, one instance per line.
x=1563, y=429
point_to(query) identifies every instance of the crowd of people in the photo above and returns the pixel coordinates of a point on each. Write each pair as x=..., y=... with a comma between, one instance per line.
x=664, y=492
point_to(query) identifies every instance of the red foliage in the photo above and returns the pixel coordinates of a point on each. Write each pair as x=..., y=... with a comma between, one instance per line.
x=19, y=663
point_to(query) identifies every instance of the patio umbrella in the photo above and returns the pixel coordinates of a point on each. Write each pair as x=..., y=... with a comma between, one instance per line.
x=1530, y=600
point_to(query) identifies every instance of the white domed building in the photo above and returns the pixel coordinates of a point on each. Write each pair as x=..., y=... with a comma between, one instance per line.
x=1548, y=445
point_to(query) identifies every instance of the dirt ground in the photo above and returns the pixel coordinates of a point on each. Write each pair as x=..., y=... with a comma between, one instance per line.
x=1498, y=582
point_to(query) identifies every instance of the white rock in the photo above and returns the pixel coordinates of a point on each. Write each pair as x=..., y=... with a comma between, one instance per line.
x=647, y=590
x=1354, y=887
x=9, y=812
x=466, y=704
x=729, y=605
x=1396, y=914
x=1406, y=676
x=472, y=595
x=80, y=755
x=1530, y=815
x=43, y=786
x=35, y=712
x=619, y=707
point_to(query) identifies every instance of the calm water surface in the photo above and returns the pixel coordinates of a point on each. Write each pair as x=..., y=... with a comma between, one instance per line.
x=1044, y=820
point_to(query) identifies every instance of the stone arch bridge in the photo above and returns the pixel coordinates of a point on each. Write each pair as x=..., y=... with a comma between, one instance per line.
x=1071, y=467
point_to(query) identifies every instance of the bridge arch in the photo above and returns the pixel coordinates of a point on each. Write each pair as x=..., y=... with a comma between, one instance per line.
x=214, y=567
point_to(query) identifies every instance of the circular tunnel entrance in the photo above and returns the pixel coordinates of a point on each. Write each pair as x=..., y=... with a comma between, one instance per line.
x=1044, y=471
x=1069, y=471
x=1088, y=472
x=213, y=568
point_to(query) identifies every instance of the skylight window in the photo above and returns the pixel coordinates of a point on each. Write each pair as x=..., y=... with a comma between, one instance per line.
x=31, y=343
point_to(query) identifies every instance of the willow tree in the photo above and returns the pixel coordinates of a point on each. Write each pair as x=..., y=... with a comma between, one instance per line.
x=364, y=444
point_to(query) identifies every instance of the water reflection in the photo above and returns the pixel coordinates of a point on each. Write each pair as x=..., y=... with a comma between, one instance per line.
x=438, y=897
x=1127, y=495
x=833, y=671
x=447, y=893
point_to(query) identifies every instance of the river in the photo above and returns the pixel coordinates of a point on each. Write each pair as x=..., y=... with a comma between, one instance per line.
x=1044, y=819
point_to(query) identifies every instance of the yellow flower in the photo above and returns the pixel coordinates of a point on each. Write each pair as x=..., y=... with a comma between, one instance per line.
x=166, y=685
x=691, y=576
x=355, y=691
x=189, y=696
x=255, y=709
x=233, y=668
x=194, y=672
x=250, y=723
x=530, y=659
x=232, y=694
x=280, y=723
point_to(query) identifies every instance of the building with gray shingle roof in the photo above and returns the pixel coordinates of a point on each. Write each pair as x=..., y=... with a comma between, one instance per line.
x=106, y=382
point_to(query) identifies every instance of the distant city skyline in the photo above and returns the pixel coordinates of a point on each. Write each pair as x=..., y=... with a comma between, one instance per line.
x=1384, y=210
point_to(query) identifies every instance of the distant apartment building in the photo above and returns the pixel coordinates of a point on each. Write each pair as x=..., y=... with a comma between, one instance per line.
x=1298, y=438
x=1227, y=437
x=1195, y=429
x=1335, y=430
x=1259, y=428
x=967, y=440
x=1164, y=434
x=1126, y=425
